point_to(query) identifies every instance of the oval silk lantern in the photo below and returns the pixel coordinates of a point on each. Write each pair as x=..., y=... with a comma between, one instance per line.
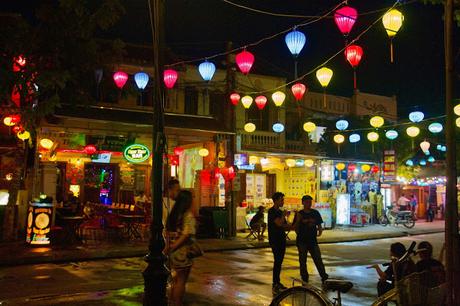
x=170, y=78
x=339, y=138
x=46, y=143
x=413, y=131
x=290, y=162
x=235, y=98
x=365, y=168
x=457, y=109
x=341, y=125
x=246, y=101
x=298, y=90
x=309, y=163
x=24, y=135
x=203, y=152
x=391, y=134
x=324, y=76
x=278, y=127
x=178, y=150
x=278, y=98
x=340, y=166
x=249, y=127
x=354, y=138
x=261, y=101
x=120, y=78
x=372, y=136
x=141, y=79
x=345, y=18
x=244, y=60
x=207, y=70
x=435, y=127
x=416, y=116
x=376, y=121
x=295, y=41
x=375, y=169
x=309, y=127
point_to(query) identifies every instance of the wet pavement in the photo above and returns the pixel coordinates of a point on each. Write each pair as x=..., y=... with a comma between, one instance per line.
x=241, y=277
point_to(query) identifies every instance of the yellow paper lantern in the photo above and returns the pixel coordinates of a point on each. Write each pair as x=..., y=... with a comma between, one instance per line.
x=278, y=97
x=457, y=109
x=8, y=121
x=249, y=127
x=377, y=121
x=253, y=160
x=365, y=168
x=372, y=136
x=46, y=143
x=246, y=101
x=457, y=122
x=324, y=76
x=340, y=166
x=203, y=152
x=392, y=21
x=24, y=135
x=339, y=138
x=309, y=163
x=9, y=176
x=290, y=162
x=413, y=131
x=309, y=127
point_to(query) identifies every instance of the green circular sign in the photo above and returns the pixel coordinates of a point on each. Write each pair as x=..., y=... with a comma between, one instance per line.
x=136, y=153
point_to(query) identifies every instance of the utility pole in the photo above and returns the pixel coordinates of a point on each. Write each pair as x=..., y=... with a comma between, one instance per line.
x=451, y=230
x=156, y=274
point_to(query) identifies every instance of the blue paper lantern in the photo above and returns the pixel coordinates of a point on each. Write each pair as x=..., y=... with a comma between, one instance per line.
x=299, y=162
x=341, y=125
x=409, y=163
x=427, y=152
x=431, y=159
x=207, y=70
x=416, y=116
x=435, y=127
x=422, y=162
x=295, y=42
x=354, y=138
x=439, y=147
x=391, y=134
x=141, y=79
x=278, y=127
x=444, y=148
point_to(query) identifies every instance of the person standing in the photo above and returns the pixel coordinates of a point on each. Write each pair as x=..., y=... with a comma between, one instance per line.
x=277, y=225
x=373, y=202
x=308, y=226
x=413, y=205
x=379, y=204
x=402, y=202
x=173, y=189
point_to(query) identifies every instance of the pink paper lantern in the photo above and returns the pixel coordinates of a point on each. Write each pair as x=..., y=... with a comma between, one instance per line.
x=120, y=78
x=244, y=60
x=170, y=78
x=345, y=18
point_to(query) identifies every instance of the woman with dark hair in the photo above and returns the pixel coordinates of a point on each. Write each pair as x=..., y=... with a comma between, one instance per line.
x=180, y=229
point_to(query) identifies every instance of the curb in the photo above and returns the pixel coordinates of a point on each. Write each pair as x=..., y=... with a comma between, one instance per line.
x=241, y=246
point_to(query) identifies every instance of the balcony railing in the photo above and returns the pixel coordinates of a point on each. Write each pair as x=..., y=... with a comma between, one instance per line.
x=301, y=147
x=261, y=141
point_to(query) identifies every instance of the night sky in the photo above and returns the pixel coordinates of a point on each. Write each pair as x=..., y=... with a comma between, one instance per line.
x=199, y=28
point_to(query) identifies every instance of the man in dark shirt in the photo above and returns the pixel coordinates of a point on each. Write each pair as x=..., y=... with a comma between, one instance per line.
x=429, y=264
x=277, y=226
x=308, y=228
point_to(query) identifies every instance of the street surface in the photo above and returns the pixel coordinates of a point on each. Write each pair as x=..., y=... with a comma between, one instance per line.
x=218, y=279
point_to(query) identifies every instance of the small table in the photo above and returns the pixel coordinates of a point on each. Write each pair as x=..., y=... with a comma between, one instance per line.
x=71, y=227
x=132, y=225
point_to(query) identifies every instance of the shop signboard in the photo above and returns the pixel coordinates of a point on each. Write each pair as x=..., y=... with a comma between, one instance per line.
x=343, y=209
x=39, y=223
x=241, y=160
x=389, y=166
x=325, y=211
x=136, y=153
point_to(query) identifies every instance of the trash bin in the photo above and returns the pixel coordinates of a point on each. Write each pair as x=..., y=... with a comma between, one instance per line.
x=212, y=222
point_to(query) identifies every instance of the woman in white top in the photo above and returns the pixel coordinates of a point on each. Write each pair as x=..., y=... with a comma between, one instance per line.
x=180, y=229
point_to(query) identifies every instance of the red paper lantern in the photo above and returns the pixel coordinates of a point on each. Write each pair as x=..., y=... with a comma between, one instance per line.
x=375, y=169
x=120, y=78
x=345, y=18
x=231, y=173
x=260, y=102
x=18, y=63
x=235, y=98
x=90, y=149
x=17, y=128
x=173, y=160
x=353, y=54
x=170, y=78
x=15, y=118
x=178, y=150
x=351, y=167
x=298, y=90
x=244, y=60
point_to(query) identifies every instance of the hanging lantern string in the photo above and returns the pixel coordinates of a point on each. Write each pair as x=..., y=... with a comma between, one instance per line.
x=329, y=59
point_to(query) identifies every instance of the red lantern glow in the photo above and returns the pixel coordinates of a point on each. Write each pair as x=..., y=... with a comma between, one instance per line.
x=120, y=78
x=351, y=167
x=354, y=53
x=298, y=90
x=170, y=78
x=375, y=169
x=90, y=149
x=260, y=102
x=17, y=128
x=178, y=150
x=18, y=63
x=15, y=118
x=244, y=60
x=173, y=160
x=235, y=98
x=345, y=18
x=231, y=173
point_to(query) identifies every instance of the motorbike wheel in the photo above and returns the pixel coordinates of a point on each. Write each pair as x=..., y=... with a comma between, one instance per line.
x=383, y=221
x=409, y=223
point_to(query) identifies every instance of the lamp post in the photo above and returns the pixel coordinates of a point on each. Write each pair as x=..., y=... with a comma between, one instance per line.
x=451, y=227
x=156, y=274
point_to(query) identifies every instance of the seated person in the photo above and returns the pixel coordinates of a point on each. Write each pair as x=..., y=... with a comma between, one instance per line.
x=257, y=223
x=139, y=203
x=429, y=264
x=387, y=277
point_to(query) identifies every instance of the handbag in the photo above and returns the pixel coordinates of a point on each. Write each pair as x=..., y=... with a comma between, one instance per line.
x=194, y=250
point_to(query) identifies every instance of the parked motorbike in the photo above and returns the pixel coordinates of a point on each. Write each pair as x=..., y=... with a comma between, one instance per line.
x=405, y=218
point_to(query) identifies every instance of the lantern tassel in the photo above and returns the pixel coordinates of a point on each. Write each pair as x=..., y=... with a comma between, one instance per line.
x=295, y=68
x=324, y=98
x=391, y=51
x=373, y=148
x=354, y=78
x=338, y=148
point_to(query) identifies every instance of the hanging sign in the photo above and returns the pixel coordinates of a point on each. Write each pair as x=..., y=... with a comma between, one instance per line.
x=389, y=166
x=136, y=153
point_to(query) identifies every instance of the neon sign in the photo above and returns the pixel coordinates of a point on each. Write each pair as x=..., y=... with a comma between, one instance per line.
x=136, y=153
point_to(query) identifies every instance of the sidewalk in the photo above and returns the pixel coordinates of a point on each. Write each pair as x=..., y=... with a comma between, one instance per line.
x=19, y=254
